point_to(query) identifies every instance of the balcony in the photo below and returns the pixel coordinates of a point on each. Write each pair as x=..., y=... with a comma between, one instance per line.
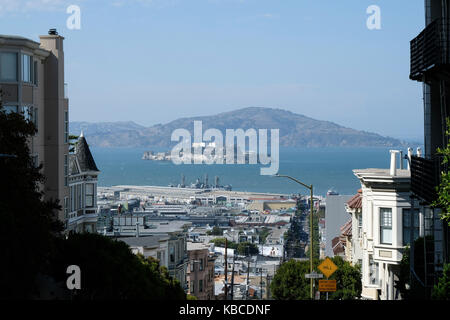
x=430, y=50
x=425, y=177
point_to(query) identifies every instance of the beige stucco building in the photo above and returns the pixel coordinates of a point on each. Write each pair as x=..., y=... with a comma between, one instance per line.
x=32, y=82
x=200, y=274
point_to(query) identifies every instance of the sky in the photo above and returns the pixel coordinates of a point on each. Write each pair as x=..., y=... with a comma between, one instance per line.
x=153, y=61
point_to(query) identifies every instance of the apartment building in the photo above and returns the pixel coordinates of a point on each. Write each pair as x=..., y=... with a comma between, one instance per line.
x=150, y=246
x=32, y=82
x=430, y=65
x=200, y=274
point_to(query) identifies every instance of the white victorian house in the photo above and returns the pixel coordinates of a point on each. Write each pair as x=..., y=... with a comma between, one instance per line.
x=381, y=226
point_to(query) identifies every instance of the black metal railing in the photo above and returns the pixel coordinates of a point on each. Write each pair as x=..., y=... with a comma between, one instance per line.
x=425, y=177
x=430, y=49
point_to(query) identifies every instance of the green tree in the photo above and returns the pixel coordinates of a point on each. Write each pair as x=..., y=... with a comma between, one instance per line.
x=220, y=242
x=289, y=282
x=316, y=238
x=441, y=291
x=28, y=224
x=109, y=270
x=348, y=281
x=216, y=231
x=414, y=290
x=247, y=248
x=443, y=200
x=263, y=234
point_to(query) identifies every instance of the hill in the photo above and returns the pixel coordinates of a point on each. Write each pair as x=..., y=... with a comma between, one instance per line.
x=296, y=130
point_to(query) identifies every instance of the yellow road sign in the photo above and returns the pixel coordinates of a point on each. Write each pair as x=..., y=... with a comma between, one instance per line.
x=327, y=285
x=327, y=267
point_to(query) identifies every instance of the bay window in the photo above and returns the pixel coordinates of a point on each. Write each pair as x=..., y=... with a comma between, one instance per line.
x=8, y=66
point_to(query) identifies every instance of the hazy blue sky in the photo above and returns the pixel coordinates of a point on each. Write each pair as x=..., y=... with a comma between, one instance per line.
x=152, y=61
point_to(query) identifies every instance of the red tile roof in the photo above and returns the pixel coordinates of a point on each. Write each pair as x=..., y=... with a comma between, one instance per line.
x=356, y=201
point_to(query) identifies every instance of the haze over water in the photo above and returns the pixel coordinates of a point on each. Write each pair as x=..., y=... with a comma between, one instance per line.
x=325, y=168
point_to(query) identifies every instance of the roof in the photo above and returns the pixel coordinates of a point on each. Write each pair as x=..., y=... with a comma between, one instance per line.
x=337, y=245
x=346, y=229
x=356, y=201
x=84, y=156
x=147, y=241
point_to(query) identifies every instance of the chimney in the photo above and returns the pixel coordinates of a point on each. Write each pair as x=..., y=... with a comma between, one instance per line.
x=393, y=168
x=410, y=151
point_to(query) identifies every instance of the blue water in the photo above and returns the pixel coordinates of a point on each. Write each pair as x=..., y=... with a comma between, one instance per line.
x=325, y=168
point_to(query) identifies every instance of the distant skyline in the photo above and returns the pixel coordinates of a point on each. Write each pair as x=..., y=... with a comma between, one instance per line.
x=153, y=61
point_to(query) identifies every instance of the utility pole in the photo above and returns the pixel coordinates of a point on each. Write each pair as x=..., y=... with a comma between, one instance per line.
x=232, y=280
x=310, y=187
x=226, y=270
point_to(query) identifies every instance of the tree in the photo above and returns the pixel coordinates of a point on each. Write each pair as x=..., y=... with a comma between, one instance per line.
x=415, y=290
x=348, y=281
x=28, y=224
x=289, y=282
x=216, y=231
x=247, y=249
x=220, y=242
x=443, y=200
x=109, y=270
x=316, y=237
x=441, y=291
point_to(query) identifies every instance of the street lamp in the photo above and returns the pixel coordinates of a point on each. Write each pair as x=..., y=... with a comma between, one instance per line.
x=310, y=187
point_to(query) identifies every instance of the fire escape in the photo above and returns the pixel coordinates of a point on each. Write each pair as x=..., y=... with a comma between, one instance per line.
x=430, y=64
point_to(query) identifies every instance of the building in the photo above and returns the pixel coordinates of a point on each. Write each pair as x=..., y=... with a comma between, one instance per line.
x=385, y=208
x=82, y=212
x=150, y=246
x=354, y=249
x=430, y=65
x=137, y=226
x=32, y=82
x=200, y=274
x=335, y=217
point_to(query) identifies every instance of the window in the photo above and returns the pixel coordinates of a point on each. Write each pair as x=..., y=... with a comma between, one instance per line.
x=406, y=218
x=89, y=195
x=35, y=75
x=11, y=109
x=8, y=66
x=201, y=265
x=35, y=160
x=386, y=225
x=192, y=265
x=66, y=127
x=80, y=196
x=360, y=225
x=172, y=254
x=66, y=170
x=192, y=286
x=373, y=271
x=200, y=285
x=66, y=207
x=27, y=75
